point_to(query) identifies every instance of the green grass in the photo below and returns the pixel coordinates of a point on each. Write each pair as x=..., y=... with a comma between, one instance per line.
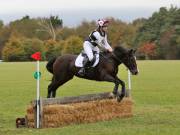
x=156, y=95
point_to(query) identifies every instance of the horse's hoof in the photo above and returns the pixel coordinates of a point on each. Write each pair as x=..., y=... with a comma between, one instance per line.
x=120, y=97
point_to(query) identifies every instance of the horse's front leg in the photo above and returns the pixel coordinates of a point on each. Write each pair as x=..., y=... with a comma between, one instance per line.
x=116, y=81
x=123, y=89
x=115, y=90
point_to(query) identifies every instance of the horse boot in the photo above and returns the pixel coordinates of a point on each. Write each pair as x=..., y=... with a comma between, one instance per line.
x=82, y=70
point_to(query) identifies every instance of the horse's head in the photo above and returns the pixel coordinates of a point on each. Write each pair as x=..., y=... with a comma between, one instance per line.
x=127, y=57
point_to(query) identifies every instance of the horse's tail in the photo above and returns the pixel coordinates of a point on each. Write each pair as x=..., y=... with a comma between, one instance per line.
x=49, y=65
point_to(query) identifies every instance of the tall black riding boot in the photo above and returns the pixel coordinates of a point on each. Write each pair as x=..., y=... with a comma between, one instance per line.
x=82, y=70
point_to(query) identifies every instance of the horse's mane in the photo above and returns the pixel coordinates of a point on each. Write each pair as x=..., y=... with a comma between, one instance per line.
x=120, y=51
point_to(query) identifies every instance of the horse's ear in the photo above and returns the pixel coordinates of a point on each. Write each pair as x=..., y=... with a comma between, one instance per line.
x=132, y=51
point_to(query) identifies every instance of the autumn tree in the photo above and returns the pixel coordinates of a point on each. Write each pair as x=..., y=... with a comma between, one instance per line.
x=50, y=25
x=162, y=28
x=21, y=49
x=73, y=45
x=147, y=50
x=53, y=48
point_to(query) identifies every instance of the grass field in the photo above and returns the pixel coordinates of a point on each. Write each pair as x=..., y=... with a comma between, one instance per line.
x=156, y=95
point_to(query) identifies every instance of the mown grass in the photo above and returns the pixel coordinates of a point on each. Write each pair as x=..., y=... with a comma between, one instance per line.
x=156, y=95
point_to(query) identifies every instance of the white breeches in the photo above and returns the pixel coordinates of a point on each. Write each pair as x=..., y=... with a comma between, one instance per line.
x=89, y=48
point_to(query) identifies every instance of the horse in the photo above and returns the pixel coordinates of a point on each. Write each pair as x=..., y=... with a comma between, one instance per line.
x=63, y=69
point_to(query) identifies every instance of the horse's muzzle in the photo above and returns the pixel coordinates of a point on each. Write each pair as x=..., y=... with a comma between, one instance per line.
x=134, y=72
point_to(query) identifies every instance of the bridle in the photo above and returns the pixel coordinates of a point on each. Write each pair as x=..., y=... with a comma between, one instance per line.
x=120, y=61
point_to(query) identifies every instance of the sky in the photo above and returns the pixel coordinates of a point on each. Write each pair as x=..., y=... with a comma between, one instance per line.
x=74, y=11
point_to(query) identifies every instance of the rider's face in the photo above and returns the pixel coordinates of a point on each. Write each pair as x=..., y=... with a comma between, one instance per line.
x=104, y=28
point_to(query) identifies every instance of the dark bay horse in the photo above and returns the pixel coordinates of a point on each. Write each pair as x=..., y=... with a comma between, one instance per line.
x=63, y=69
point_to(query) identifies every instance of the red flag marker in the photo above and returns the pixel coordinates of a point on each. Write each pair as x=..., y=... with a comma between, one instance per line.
x=36, y=56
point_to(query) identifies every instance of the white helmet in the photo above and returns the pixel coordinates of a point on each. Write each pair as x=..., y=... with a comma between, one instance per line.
x=102, y=23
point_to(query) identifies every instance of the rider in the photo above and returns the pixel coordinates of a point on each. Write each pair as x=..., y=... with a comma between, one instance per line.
x=97, y=38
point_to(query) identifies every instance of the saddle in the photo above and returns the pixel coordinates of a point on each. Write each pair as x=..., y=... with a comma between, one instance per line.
x=82, y=56
x=89, y=63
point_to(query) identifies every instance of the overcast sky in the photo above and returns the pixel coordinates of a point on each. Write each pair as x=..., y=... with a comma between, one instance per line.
x=74, y=11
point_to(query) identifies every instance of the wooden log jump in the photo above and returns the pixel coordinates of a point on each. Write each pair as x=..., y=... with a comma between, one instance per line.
x=57, y=112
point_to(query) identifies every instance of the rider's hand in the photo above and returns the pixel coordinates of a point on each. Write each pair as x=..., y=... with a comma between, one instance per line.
x=109, y=50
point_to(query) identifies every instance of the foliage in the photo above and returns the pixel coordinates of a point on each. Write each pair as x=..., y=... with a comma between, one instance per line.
x=65, y=33
x=50, y=25
x=162, y=28
x=120, y=33
x=56, y=21
x=21, y=49
x=33, y=45
x=26, y=27
x=73, y=45
x=85, y=28
x=1, y=24
x=13, y=50
x=53, y=48
x=4, y=36
x=148, y=51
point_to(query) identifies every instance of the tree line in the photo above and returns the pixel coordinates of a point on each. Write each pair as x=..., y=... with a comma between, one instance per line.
x=156, y=37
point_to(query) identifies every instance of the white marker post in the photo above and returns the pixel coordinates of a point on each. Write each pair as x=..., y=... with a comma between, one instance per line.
x=37, y=74
x=129, y=82
x=38, y=93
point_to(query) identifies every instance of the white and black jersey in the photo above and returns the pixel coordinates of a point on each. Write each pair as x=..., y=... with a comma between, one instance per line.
x=96, y=38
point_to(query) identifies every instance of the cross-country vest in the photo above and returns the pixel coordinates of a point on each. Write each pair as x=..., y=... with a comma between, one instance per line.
x=91, y=38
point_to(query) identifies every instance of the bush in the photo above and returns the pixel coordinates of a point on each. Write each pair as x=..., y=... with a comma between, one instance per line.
x=34, y=45
x=73, y=45
x=21, y=49
x=53, y=48
x=13, y=50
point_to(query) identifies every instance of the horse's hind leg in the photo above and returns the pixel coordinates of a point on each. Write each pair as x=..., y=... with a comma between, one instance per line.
x=53, y=87
x=55, y=84
x=50, y=88
x=58, y=84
